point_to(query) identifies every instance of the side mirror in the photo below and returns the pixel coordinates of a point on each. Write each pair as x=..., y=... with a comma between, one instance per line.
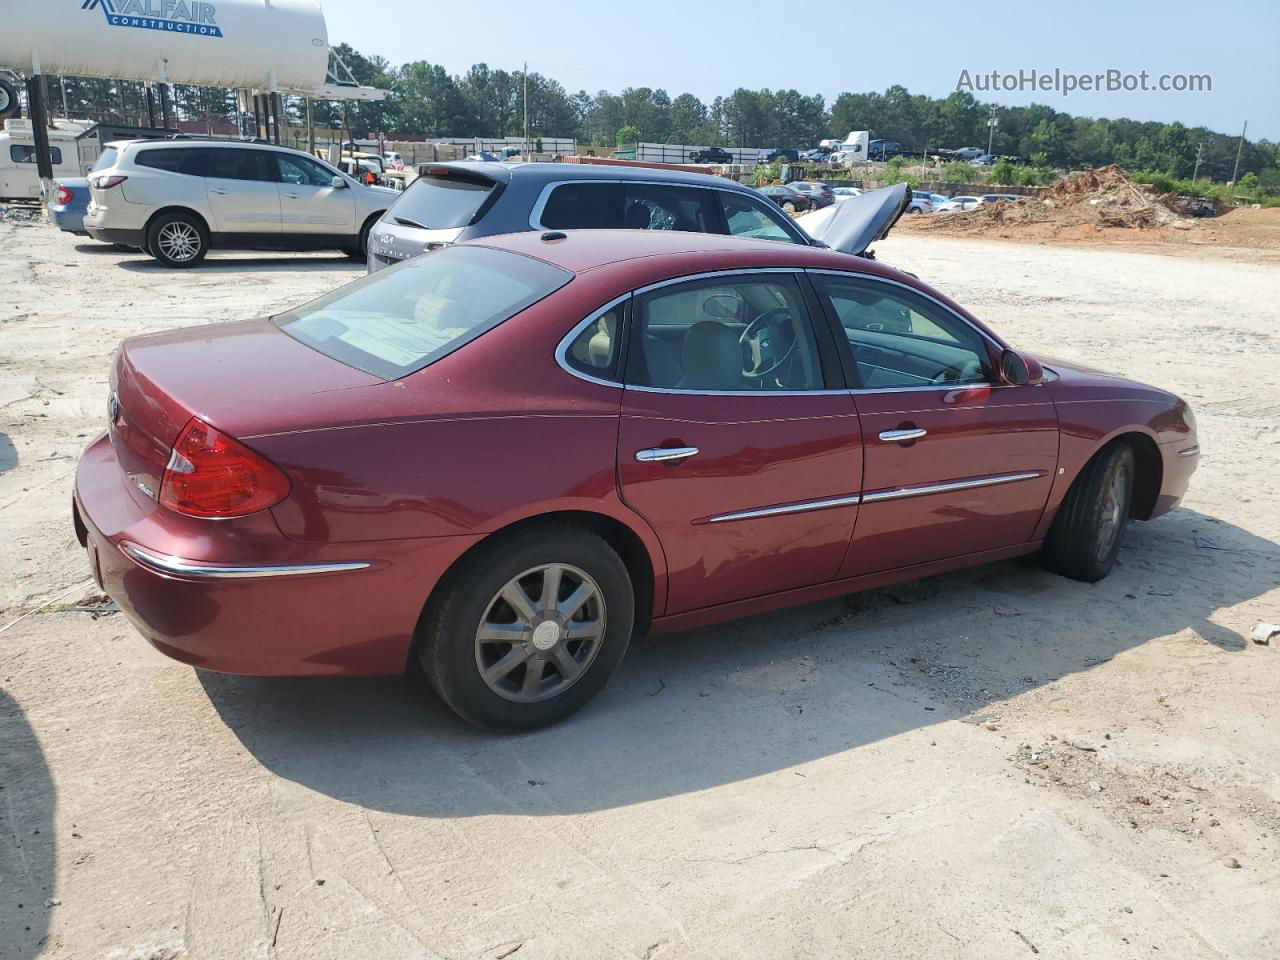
x=338, y=183
x=1020, y=370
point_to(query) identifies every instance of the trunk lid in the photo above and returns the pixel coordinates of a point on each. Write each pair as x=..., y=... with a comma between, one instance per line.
x=243, y=378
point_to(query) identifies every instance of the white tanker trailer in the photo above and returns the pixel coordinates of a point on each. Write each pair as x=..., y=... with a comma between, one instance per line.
x=266, y=46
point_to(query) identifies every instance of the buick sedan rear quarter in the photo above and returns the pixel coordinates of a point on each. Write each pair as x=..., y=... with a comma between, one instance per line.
x=507, y=458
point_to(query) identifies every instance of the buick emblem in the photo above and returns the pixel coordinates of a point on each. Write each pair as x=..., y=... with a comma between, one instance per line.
x=113, y=409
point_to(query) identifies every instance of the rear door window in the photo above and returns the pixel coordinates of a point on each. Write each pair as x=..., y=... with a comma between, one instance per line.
x=443, y=201
x=394, y=322
x=655, y=206
x=237, y=164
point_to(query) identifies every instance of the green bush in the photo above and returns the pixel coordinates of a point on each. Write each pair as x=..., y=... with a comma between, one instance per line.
x=1004, y=172
x=627, y=136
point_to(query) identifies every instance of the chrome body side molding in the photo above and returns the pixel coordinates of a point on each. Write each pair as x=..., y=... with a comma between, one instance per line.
x=875, y=496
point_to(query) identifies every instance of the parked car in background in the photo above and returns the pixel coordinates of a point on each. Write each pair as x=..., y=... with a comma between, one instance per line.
x=788, y=198
x=986, y=160
x=921, y=202
x=711, y=155
x=844, y=193
x=937, y=198
x=507, y=459
x=178, y=199
x=883, y=149
x=783, y=156
x=1009, y=197
x=964, y=153
x=817, y=155
x=957, y=203
x=819, y=194
x=394, y=159
x=450, y=202
x=68, y=204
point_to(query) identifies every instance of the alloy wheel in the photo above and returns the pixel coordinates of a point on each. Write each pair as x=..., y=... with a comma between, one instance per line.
x=540, y=633
x=1114, y=500
x=179, y=241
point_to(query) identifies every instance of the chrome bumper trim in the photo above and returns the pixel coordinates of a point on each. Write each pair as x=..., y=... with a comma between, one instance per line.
x=1190, y=451
x=178, y=567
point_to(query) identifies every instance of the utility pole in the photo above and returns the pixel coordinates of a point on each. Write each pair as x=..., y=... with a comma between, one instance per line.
x=1199, y=153
x=525, y=151
x=992, y=123
x=1239, y=150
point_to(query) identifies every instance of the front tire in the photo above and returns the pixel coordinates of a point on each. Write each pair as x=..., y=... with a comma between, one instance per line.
x=1085, y=537
x=361, y=249
x=177, y=240
x=529, y=629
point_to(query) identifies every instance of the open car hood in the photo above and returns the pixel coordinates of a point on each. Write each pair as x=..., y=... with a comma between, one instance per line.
x=854, y=224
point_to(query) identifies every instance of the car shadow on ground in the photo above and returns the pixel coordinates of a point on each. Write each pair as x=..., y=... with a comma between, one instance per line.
x=27, y=853
x=721, y=705
x=141, y=263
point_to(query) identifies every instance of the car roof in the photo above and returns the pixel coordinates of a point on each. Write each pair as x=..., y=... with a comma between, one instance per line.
x=549, y=172
x=581, y=250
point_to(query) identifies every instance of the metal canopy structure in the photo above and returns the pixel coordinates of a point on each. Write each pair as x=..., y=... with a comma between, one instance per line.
x=263, y=49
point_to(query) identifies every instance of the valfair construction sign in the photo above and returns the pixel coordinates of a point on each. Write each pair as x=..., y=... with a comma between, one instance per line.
x=177, y=16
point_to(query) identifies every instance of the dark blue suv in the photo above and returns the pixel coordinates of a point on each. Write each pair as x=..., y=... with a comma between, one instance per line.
x=450, y=202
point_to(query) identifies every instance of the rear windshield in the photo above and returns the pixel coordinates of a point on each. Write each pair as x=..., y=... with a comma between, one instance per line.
x=107, y=158
x=396, y=321
x=442, y=202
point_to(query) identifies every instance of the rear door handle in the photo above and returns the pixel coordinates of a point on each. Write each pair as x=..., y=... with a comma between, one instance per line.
x=293, y=196
x=219, y=192
x=898, y=436
x=662, y=454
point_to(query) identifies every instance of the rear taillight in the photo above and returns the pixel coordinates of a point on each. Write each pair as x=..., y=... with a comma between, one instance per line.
x=105, y=181
x=210, y=474
x=63, y=196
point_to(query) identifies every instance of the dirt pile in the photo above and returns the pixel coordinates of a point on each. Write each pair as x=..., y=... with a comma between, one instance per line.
x=1089, y=202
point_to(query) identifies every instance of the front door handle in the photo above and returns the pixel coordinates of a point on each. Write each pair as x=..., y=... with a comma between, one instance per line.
x=663, y=454
x=293, y=196
x=219, y=191
x=901, y=436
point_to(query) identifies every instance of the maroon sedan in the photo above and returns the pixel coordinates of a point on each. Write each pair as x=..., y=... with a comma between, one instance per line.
x=509, y=457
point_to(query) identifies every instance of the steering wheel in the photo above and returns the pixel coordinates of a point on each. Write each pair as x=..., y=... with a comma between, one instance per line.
x=969, y=373
x=757, y=330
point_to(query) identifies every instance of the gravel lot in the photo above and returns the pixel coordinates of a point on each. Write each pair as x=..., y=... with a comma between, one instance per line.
x=993, y=764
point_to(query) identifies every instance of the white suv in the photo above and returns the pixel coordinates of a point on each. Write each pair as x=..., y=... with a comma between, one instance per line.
x=177, y=199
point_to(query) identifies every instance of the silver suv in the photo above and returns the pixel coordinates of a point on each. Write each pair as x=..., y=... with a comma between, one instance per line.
x=177, y=199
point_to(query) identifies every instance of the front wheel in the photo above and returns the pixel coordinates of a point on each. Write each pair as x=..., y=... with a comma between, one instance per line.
x=361, y=248
x=1085, y=537
x=177, y=240
x=529, y=629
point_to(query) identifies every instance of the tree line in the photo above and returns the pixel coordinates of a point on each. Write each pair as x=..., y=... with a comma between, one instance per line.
x=425, y=99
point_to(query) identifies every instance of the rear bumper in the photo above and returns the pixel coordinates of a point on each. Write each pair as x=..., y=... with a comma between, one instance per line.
x=130, y=238
x=254, y=603
x=67, y=218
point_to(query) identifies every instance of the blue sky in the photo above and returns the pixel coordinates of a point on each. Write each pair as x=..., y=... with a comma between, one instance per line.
x=709, y=49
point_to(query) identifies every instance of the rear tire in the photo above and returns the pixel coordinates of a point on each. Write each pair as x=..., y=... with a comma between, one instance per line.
x=460, y=641
x=177, y=240
x=1085, y=536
